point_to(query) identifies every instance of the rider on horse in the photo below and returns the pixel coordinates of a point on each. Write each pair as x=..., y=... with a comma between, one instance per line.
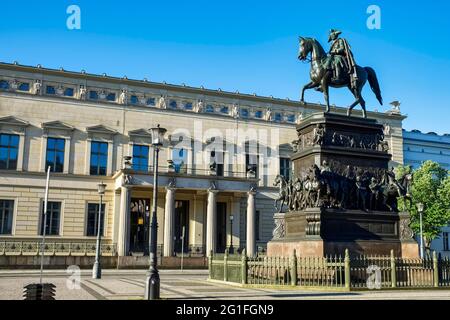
x=340, y=58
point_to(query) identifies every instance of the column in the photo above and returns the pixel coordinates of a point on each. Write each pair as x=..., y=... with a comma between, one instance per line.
x=169, y=213
x=251, y=245
x=211, y=216
x=124, y=220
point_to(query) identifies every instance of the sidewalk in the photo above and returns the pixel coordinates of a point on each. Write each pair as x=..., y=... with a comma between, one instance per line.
x=177, y=285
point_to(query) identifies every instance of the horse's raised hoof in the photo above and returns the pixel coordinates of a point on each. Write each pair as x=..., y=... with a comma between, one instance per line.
x=302, y=102
x=348, y=112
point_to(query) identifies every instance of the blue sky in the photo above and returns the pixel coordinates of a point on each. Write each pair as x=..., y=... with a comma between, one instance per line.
x=250, y=46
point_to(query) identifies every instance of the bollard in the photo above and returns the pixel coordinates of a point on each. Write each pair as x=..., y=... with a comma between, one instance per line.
x=244, y=267
x=294, y=269
x=435, y=270
x=225, y=265
x=210, y=264
x=393, y=271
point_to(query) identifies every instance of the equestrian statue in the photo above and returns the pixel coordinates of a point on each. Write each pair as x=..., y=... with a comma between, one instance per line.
x=336, y=69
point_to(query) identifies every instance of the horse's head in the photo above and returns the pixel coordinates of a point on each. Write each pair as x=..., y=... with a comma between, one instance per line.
x=304, y=48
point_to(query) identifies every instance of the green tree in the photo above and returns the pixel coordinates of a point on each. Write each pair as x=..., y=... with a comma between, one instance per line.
x=430, y=186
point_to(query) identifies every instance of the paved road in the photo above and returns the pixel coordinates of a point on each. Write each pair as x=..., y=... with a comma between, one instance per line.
x=190, y=284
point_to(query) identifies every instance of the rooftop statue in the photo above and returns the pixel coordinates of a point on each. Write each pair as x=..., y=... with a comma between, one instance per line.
x=336, y=69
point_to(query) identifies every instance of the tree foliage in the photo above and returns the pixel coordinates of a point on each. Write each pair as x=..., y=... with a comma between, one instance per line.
x=430, y=186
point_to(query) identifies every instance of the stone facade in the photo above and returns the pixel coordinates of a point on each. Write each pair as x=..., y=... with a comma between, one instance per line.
x=37, y=104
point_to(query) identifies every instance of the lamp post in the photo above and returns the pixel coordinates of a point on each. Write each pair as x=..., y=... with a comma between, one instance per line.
x=152, y=288
x=231, y=249
x=97, y=269
x=420, y=208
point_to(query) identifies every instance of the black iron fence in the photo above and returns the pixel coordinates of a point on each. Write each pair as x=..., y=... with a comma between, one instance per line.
x=339, y=272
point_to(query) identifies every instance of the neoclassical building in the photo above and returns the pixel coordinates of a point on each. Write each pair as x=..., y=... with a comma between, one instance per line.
x=222, y=153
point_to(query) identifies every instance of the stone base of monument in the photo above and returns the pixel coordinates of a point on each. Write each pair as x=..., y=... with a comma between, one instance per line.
x=319, y=232
x=341, y=162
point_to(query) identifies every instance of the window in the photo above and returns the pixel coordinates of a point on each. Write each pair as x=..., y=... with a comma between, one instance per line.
x=4, y=85
x=55, y=154
x=224, y=109
x=50, y=90
x=278, y=117
x=209, y=108
x=140, y=157
x=290, y=118
x=257, y=225
x=6, y=216
x=99, y=158
x=68, y=92
x=25, y=86
x=92, y=219
x=251, y=163
x=285, y=168
x=111, y=97
x=445, y=240
x=134, y=99
x=179, y=158
x=188, y=106
x=244, y=113
x=9, y=146
x=151, y=101
x=53, y=218
x=93, y=95
x=258, y=114
x=173, y=104
x=218, y=161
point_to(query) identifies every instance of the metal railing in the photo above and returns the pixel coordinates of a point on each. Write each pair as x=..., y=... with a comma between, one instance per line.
x=76, y=248
x=339, y=272
x=191, y=171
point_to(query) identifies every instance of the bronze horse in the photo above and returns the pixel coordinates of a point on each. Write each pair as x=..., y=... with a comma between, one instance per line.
x=283, y=196
x=393, y=191
x=322, y=79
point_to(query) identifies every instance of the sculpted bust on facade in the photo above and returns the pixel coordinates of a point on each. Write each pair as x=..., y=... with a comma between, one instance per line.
x=123, y=96
x=37, y=87
x=162, y=102
x=82, y=93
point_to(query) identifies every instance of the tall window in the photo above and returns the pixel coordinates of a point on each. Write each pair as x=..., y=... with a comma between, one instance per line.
x=285, y=168
x=99, y=158
x=9, y=146
x=92, y=219
x=55, y=154
x=217, y=158
x=251, y=163
x=140, y=157
x=257, y=224
x=445, y=239
x=179, y=158
x=6, y=216
x=53, y=218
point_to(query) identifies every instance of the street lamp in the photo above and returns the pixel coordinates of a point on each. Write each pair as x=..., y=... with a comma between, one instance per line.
x=231, y=249
x=420, y=207
x=97, y=269
x=152, y=287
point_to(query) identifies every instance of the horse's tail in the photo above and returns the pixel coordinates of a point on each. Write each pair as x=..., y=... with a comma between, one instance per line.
x=373, y=81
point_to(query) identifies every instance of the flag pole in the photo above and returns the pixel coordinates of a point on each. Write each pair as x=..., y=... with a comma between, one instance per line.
x=45, y=223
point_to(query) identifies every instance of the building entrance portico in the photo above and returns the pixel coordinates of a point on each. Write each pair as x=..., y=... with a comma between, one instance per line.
x=196, y=204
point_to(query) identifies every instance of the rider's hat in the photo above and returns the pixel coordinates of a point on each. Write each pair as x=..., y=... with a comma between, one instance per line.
x=333, y=33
